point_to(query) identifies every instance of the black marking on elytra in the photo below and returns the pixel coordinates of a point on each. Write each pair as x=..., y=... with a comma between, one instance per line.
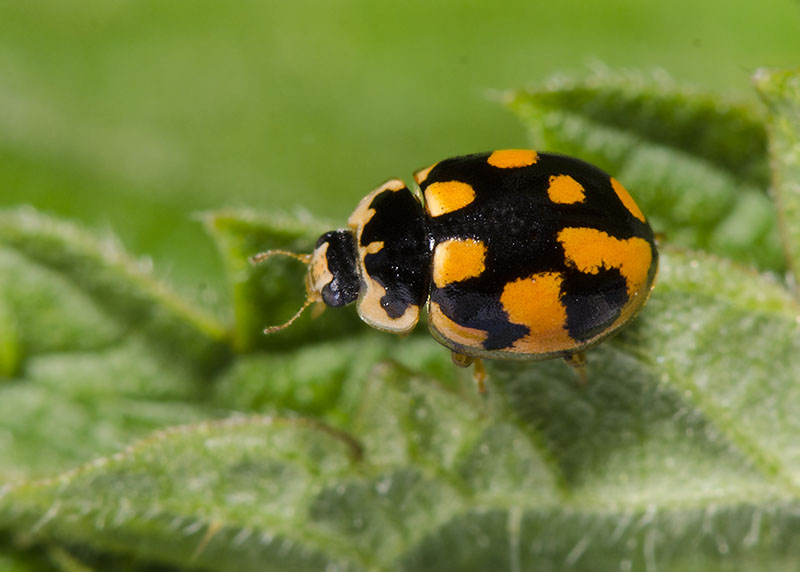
x=593, y=301
x=480, y=311
x=341, y=257
x=519, y=224
x=402, y=266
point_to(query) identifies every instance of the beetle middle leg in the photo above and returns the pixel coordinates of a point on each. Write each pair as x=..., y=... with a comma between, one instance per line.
x=478, y=371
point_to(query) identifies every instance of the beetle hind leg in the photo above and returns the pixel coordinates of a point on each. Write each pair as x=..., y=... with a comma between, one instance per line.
x=478, y=371
x=577, y=361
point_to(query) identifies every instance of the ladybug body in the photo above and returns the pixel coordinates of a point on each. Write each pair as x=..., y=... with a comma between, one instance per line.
x=513, y=255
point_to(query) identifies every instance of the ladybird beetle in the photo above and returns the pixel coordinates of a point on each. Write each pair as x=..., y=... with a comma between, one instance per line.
x=514, y=254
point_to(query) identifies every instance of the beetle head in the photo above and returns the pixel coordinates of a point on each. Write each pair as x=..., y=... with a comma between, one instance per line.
x=332, y=276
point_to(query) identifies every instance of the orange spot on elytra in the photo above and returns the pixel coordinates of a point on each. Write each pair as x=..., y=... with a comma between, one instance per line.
x=589, y=250
x=445, y=197
x=511, y=158
x=535, y=302
x=627, y=199
x=456, y=259
x=564, y=189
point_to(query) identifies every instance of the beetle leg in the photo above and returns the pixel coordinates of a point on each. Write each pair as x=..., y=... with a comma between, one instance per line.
x=461, y=360
x=479, y=375
x=478, y=371
x=577, y=361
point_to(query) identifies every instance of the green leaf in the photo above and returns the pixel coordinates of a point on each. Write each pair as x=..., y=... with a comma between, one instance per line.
x=10, y=352
x=95, y=350
x=695, y=162
x=16, y=559
x=122, y=288
x=186, y=493
x=69, y=408
x=680, y=450
x=781, y=92
x=324, y=379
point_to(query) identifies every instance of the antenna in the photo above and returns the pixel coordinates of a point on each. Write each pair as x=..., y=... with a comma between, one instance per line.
x=263, y=256
x=305, y=259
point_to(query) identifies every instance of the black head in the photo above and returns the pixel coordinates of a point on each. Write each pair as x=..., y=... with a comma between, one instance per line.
x=332, y=273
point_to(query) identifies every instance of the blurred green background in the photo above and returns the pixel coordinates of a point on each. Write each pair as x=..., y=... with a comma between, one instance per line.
x=135, y=115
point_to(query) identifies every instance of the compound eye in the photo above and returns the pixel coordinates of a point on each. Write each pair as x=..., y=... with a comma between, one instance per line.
x=332, y=272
